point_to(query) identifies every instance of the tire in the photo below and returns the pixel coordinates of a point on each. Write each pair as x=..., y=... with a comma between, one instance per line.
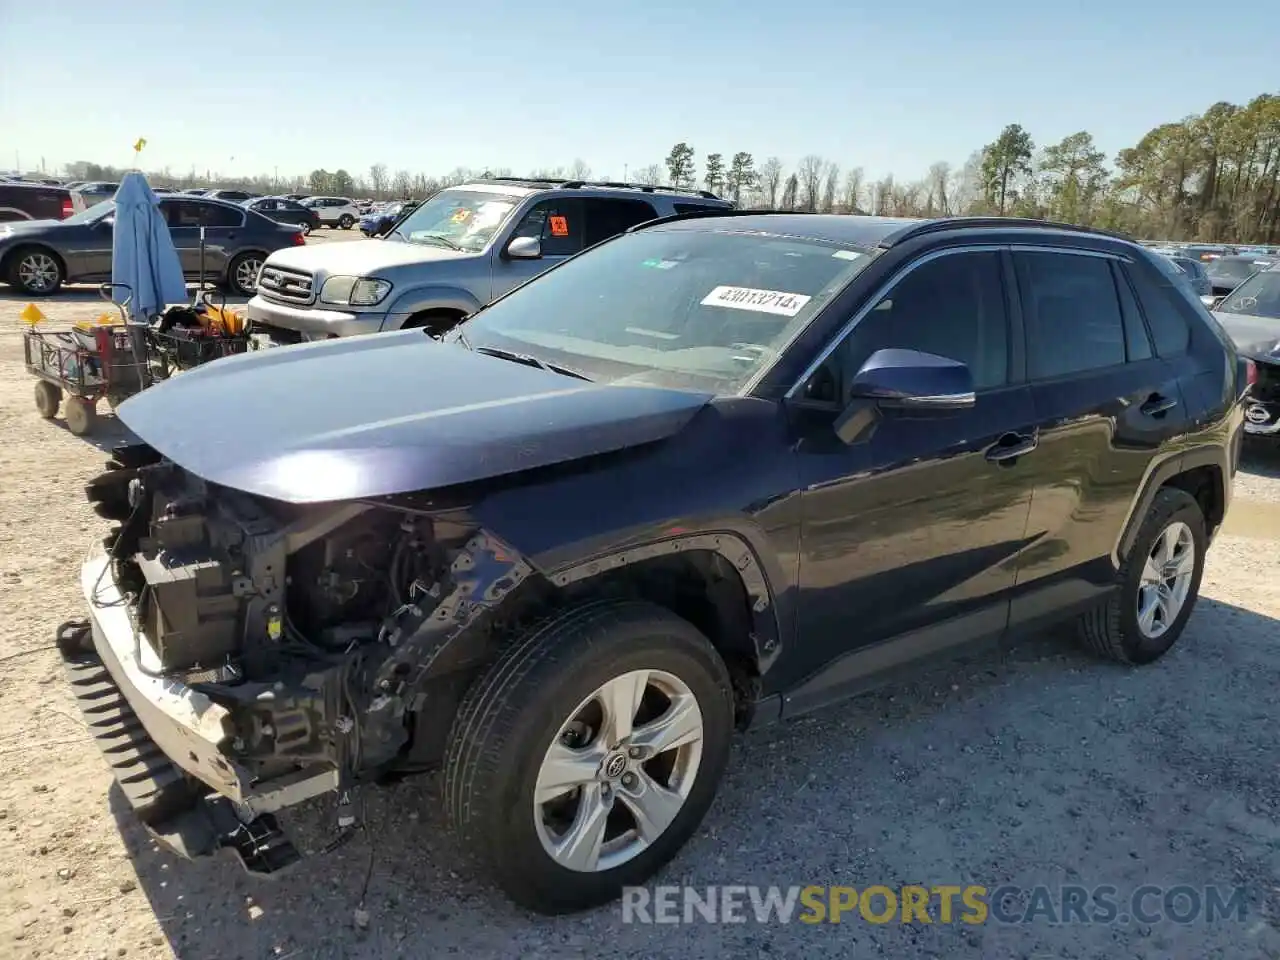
x=48, y=398
x=36, y=271
x=436, y=322
x=242, y=273
x=345, y=221
x=306, y=229
x=82, y=416
x=1114, y=631
x=519, y=710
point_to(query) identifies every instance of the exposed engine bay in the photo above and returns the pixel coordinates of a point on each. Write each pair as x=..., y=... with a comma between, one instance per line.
x=327, y=631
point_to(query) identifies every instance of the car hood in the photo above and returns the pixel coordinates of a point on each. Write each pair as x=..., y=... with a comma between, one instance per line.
x=388, y=413
x=360, y=258
x=1256, y=337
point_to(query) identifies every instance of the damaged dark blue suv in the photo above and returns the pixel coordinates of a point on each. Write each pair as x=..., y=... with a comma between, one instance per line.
x=719, y=470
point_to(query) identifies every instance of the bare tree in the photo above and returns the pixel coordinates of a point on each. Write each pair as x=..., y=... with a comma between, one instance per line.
x=650, y=175
x=402, y=184
x=579, y=170
x=809, y=175
x=378, y=179
x=770, y=179
x=853, y=181
x=791, y=193
x=937, y=199
x=966, y=186
x=832, y=177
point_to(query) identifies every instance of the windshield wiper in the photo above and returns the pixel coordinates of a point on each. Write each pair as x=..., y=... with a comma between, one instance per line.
x=530, y=360
x=444, y=240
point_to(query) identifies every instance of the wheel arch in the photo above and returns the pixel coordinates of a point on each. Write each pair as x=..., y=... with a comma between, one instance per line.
x=1203, y=472
x=7, y=262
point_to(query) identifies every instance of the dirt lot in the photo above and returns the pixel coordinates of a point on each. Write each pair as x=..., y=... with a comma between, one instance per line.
x=1040, y=767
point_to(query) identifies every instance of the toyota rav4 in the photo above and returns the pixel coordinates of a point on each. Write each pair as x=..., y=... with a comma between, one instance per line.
x=717, y=471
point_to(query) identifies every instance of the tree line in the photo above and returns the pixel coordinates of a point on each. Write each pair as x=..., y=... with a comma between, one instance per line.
x=1213, y=176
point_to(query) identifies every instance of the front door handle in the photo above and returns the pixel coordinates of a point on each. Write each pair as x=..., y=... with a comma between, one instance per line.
x=1157, y=405
x=1012, y=446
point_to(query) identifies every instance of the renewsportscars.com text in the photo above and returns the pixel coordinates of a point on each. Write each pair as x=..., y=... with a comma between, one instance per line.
x=944, y=903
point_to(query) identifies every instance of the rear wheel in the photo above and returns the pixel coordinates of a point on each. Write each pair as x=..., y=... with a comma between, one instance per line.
x=82, y=416
x=306, y=228
x=589, y=753
x=48, y=398
x=1159, y=584
x=345, y=221
x=242, y=274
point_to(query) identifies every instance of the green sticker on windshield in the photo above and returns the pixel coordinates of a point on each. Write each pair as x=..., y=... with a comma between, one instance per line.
x=655, y=263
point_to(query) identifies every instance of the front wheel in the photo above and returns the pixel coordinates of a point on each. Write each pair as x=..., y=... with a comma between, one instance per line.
x=82, y=416
x=588, y=754
x=345, y=221
x=242, y=275
x=1159, y=584
x=36, y=271
x=306, y=228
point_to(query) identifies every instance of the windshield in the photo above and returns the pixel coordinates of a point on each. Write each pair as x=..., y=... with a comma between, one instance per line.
x=1259, y=296
x=1236, y=270
x=673, y=308
x=457, y=218
x=92, y=214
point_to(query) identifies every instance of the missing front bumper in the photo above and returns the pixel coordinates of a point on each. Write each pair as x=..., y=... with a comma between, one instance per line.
x=164, y=742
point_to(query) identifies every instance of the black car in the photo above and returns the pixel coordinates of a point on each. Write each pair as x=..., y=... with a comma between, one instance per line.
x=284, y=210
x=1251, y=315
x=1227, y=273
x=714, y=472
x=1195, y=273
x=33, y=201
x=39, y=256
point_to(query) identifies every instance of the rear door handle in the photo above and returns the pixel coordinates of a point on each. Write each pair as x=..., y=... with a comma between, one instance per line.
x=1011, y=446
x=1157, y=405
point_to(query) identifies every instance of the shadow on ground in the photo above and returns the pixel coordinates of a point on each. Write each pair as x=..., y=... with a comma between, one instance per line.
x=1036, y=766
x=1261, y=456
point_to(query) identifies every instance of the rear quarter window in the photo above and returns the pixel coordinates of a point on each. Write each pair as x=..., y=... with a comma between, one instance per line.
x=1168, y=308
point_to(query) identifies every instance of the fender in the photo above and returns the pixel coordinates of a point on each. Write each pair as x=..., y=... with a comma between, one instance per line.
x=1160, y=472
x=431, y=297
x=766, y=633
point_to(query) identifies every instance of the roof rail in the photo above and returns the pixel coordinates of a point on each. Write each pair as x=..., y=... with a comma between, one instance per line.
x=643, y=187
x=961, y=223
x=698, y=214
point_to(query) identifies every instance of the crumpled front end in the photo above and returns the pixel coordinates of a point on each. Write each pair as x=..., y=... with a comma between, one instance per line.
x=242, y=655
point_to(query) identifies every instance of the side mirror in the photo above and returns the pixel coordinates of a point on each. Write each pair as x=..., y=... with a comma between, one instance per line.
x=912, y=380
x=525, y=248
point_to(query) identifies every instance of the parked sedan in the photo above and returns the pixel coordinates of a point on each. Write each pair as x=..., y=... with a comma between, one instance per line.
x=285, y=210
x=377, y=222
x=38, y=256
x=1251, y=315
x=232, y=196
x=1227, y=273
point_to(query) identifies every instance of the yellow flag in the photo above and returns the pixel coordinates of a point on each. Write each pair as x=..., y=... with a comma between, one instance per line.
x=31, y=314
x=137, y=147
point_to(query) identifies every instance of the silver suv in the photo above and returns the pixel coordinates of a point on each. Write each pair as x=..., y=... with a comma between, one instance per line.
x=458, y=251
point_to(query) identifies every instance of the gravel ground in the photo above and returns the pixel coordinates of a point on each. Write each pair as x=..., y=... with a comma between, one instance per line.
x=1041, y=767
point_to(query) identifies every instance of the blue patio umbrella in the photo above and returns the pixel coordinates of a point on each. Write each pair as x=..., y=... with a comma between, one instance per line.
x=143, y=256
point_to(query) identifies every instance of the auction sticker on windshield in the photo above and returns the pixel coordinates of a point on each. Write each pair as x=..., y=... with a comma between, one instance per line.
x=761, y=301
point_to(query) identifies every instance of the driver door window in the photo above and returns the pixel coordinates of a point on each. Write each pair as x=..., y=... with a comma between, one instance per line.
x=952, y=306
x=557, y=224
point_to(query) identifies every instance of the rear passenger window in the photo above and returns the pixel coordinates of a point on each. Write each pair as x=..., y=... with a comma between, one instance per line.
x=1165, y=306
x=1137, y=344
x=1072, y=313
x=608, y=218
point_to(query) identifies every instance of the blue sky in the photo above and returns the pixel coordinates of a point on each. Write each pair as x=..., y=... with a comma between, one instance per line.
x=429, y=86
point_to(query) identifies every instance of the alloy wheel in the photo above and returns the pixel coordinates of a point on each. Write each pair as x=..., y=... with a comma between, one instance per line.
x=618, y=771
x=1166, y=579
x=247, y=274
x=38, y=272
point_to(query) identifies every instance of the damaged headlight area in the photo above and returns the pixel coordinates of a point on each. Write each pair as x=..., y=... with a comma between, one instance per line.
x=274, y=652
